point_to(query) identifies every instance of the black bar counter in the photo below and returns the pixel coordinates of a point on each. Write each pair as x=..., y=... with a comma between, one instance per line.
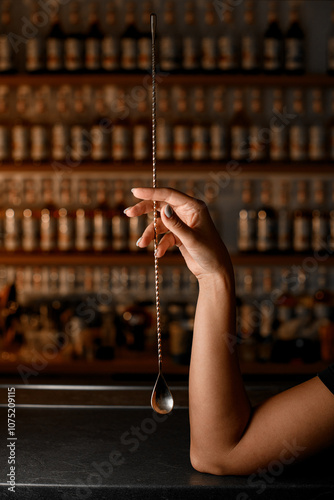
x=103, y=443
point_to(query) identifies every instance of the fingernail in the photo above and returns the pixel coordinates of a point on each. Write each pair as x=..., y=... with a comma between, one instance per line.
x=138, y=241
x=168, y=211
x=126, y=209
x=132, y=190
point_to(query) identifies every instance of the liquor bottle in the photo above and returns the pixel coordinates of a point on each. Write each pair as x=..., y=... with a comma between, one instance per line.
x=298, y=135
x=129, y=39
x=200, y=131
x=330, y=47
x=239, y=129
x=12, y=217
x=317, y=129
x=40, y=132
x=182, y=127
x=84, y=218
x=60, y=131
x=102, y=216
x=266, y=221
x=219, y=131
x=81, y=146
x=121, y=138
x=20, y=130
x=294, y=43
x=35, y=49
x=93, y=41
x=31, y=216
x=330, y=130
x=267, y=318
x=169, y=50
x=284, y=226
x=250, y=53
x=273, y=43
x=258, y=134
x=164, y=126
x=278, y=144
x=247, y=220
x=190, y=49
x=100, y=131
x=65, y=216
x=6, y=50
x=302, y=220
x=208, y=41
x=48, y=223
x=320, y=219
x=323, y=297
x=331, y=222
x=142, y=146
x=249, y=320
x=6, y=112
x=55, y=46
x=119, y=221
x=74, y=43
x=145, y=38
x=228, y=58
x=110, y=43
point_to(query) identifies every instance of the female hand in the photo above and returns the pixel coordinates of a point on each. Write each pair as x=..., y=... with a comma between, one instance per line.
x=185, y=222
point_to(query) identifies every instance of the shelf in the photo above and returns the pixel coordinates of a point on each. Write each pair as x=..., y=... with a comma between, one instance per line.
x=227, y=169
x=143, y=259
x=307, y=80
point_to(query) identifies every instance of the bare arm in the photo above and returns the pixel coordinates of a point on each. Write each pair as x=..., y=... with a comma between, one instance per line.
x=227, y=437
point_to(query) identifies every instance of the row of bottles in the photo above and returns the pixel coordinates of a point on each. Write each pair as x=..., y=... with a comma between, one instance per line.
x=309, y=226
x=191, y=38
x=112, y=123
x=285, y=314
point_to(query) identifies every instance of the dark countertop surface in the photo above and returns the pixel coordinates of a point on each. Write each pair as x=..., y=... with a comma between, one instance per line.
x=77, y=443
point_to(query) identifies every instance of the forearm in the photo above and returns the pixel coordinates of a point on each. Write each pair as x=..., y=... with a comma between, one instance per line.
x=218, y=405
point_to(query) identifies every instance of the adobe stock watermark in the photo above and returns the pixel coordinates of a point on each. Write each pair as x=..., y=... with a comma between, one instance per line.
x=131, y=439
x=267, y=476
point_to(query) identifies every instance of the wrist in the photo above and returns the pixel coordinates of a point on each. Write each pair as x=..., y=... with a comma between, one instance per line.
x=220, y=281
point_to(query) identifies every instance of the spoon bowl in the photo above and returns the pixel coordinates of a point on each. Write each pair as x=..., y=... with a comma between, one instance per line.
x=161, y=399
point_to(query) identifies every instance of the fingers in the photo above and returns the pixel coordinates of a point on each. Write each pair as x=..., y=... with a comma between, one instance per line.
x=148, y=234
x=167, y=195
x=143, y=207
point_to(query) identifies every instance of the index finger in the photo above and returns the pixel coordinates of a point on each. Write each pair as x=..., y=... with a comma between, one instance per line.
x=172, y=196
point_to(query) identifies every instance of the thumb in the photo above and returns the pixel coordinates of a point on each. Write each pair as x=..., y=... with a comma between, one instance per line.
x=176, y=226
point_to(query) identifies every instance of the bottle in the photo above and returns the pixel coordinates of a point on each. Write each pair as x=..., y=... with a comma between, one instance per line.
x=142, y=142
x=323, y=297
x=40, y=132
x=169, y=50
x=84, y=218
x=266, y=221
x=267, y=317
x=190, y=49
x=258, y=134
x=278, y=144
x=100, y=131
x=317, y=129
x=60, y=130
x=239, y=129
x=182, y=127
x=74, y=43
x=164, y=143
x=55, y=46
x=145, y=38
x=247, y=220
x=302, y=220
x=200, y=131
x=298, y=135
x=121, y=138
x=102, y=216
x=48, y=223
x=65, y=216
x=250, y=54
x=228, y=58
x=110, y=43
x=273, y=43
x=20, y=130
x=93, y=41
x=35, y=49
x=6, y=50
x=81, y=146
x=330, y=130
x=284, y=227
x=320, y=220
x=219, y=132
x=119, y=221
x=294, y=43
x=12, y=218
x=330, y=47
x=208, y=41
x=250, y=318
x=129, y=39
x=5, y=126
x=331, y=222
x=31, y=216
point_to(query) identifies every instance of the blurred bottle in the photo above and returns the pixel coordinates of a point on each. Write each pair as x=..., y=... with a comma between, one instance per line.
x=250, y=317
x=330, y=47
x=93, y=41
x=145, y=38
x=266, y=221
x=121, y=138
x=200, y=130
x=35, y=47
x=331, y=221
x=298, y=133
x=294, y=43
x=40, y=148
x=330, y=130
x=21, y=127
x=100, y=132
x=250, y=53
x=74, y=43
x=164, y=126
x=219, y=140
x=317, y=129
x=129, y=39
x=169, y=46
x=320, y=219
x=208, y=40
x=258, y=132
x=84, y=218
x=302, y=220
x=239, y=129
x=119, y=221
x=267, y=310
x=182, y=126
x=110, y=60
x=180, y=320
x=278, y=146
x=284, y=219
x=323, y=297
x=247, y=220
x=31, y=216
x=48, y=223
x=12, y=217
x=190, y=48
x=142, y=139
x=65, y=218
x=273, y=43
x=6, y=111
x=55, y=46
x=60, y=130
x=6, y=50
x=228, y=57
x=102, y=216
